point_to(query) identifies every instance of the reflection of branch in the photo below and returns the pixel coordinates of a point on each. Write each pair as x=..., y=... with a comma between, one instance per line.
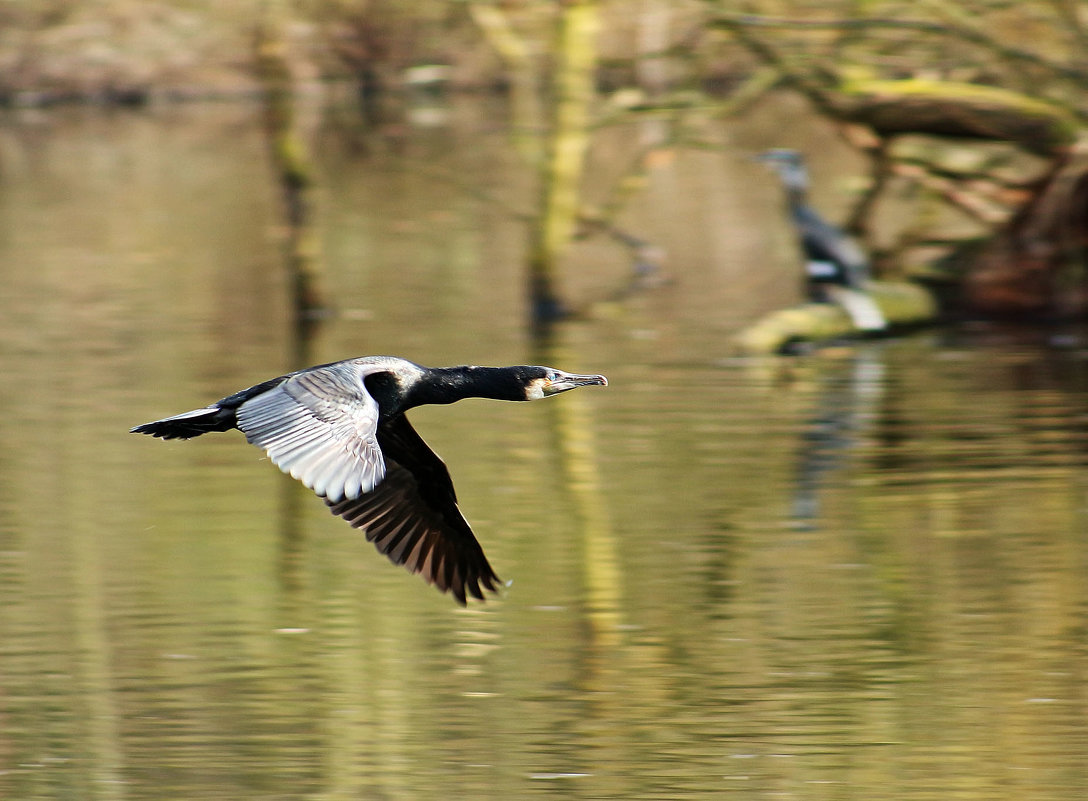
x=632, y=178
x=496, y=27
x=631, y=181
x=517, y=56
x=734, y=22
x=812, y=80
x=684, y=47
x=471, y=188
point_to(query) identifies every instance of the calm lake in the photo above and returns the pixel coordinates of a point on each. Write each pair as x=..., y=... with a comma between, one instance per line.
x=858, y=574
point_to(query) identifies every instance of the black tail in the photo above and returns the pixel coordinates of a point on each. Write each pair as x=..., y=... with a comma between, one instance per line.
x=190, y=424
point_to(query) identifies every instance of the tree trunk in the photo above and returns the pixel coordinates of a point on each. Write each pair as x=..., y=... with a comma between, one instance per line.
x=1037, y=264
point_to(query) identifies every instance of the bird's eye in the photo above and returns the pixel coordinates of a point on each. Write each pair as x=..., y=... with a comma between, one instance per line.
x=551, y=376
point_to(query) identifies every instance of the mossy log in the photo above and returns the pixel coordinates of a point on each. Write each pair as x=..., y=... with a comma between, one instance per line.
x=946, y=108
x=902, y=303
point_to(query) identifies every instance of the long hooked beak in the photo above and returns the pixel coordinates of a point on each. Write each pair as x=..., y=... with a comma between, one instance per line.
x=564, y=381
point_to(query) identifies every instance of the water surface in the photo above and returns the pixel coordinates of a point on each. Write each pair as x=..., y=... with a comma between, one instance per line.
x=860, y=574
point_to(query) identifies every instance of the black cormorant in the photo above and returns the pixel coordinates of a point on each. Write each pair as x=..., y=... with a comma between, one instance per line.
x=836, y=270
x=340, y=429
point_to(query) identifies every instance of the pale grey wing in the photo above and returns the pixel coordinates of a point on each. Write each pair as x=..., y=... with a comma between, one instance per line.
x=320, y=426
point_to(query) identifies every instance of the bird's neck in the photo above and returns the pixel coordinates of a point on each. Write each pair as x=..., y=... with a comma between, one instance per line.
x=796, y=196
x=451, y=384
x=795, y=181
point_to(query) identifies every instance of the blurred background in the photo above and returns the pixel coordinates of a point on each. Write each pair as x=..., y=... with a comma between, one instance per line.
x=857, y=570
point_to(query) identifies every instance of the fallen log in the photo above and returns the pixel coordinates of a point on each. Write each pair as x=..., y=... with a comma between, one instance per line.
x=903, y=304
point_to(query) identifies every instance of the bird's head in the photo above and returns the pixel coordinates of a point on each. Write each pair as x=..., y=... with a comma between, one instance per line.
x=540, y=382
x=789, y=164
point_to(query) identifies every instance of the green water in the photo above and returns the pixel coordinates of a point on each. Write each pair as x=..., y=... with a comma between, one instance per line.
x=861, y=575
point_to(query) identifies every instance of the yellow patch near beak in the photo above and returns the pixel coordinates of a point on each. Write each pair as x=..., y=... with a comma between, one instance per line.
x=537, y=389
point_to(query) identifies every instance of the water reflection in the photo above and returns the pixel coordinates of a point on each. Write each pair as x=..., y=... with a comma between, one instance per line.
x=844, y=407
x=184, y=621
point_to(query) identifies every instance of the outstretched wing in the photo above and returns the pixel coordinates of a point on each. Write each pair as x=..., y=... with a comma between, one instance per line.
x=412, y=516
x=320, y=426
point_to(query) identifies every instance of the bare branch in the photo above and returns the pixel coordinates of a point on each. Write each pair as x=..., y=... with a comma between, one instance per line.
x=736, y=22
x=969, y=203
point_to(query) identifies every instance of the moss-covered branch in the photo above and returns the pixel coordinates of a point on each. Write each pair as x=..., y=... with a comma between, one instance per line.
x=944, y=108
x=961, y=32
x=903, y=304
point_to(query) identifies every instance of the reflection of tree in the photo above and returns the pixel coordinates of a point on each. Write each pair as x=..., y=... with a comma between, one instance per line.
x=292, y=164
x=608, y=658
x=561, y=175
x=562, y=213
x=576, y=442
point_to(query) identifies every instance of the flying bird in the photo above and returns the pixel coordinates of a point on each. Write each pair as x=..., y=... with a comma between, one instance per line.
x=341, y=430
